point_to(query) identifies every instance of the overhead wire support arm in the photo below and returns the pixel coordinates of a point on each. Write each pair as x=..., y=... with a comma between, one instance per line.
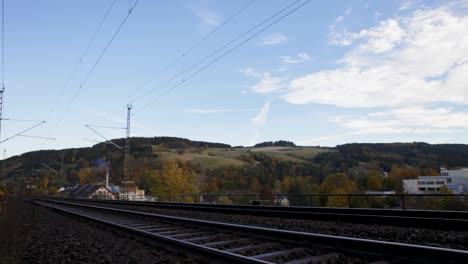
x=110, y=127
x=107, y=140
x=20, y=133
x=45, y=165
x=29, y=136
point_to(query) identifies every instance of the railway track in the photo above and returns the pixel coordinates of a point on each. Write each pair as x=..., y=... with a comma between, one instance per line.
x=247, y=244
x=451, y=220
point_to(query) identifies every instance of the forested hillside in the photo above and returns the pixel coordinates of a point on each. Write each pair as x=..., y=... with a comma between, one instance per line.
x=270, y=167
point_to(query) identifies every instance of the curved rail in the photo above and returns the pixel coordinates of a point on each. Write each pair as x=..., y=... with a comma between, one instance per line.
x=196, y=235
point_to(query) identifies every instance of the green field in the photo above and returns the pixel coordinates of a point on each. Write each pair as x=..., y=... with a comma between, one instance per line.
x=211, y=158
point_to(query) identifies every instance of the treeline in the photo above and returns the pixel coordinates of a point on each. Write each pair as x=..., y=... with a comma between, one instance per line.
x=279, y=143
x=417, y=154
x=170, y=142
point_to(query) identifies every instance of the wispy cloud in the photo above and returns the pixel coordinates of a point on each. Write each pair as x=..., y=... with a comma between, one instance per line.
x=340, y=18
x=301, y=57
x=267, y=82
x=339, y=38
x=275, y=38
x=209, y=18
x=261, y=118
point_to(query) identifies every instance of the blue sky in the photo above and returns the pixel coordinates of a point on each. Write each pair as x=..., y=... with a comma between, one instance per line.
x=332, y=72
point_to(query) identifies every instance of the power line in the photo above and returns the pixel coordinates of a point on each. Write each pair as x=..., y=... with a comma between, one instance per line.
x=220, y=57
x=221, y=48
x=196, y=44
x=85, y=52
x=85, y=80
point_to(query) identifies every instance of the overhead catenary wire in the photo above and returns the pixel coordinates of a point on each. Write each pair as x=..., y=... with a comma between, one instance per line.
x=220, y=57
x=193, y=46
x=85, y=80
x=221, y=48
x=83, y=55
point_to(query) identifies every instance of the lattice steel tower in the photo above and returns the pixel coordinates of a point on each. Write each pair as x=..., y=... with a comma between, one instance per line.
x=127, y=147
x=2, y=90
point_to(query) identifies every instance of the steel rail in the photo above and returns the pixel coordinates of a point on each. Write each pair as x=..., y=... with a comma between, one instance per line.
x=396, y=251
x=451, y=220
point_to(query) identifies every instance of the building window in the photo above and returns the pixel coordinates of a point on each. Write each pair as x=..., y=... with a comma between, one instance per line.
x=449, y=180
x=431, y=189
x=422, y=189
x=430, y=182
x=440, y=182
x=421, y=182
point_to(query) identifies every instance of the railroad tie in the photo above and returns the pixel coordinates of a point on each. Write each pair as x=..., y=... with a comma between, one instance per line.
x=239, y=250
x=227, y=242
x=275, y=254
x=325, y=258
x=189, y=235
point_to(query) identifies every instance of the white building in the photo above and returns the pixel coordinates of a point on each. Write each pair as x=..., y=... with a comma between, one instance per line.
x=455, y=180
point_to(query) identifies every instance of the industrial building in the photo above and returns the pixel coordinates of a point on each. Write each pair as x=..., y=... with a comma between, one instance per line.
x=455, y=180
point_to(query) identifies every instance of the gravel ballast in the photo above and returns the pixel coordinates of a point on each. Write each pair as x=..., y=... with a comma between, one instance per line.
x=44, y=236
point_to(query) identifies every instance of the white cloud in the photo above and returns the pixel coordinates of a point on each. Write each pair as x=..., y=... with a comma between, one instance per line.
x=261, y=118
x=209, y=18
x=275, y=38
x=380, y=39
x=207, y=111
x=249, y=72
x=421, y=58
x=268, y=83
x=301, y=57
x=414, y=120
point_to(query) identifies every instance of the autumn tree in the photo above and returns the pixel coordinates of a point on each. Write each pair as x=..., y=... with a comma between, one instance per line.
x=171, y=180
x=374, y=181
x=338, y=181
x=337, y=201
